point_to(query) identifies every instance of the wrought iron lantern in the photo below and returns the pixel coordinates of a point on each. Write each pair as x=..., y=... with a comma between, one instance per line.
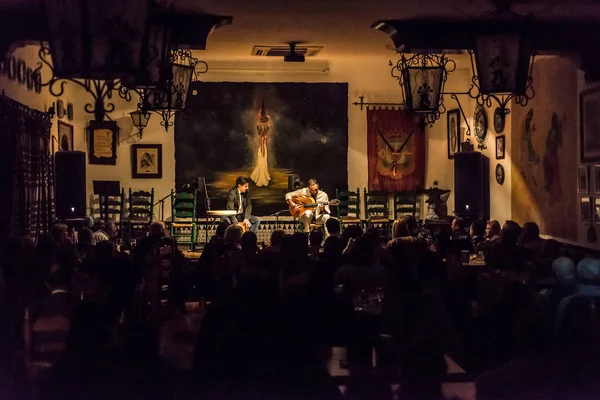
x=422, y=77
x=97, y=39
x=140, y=120
x=503, y=57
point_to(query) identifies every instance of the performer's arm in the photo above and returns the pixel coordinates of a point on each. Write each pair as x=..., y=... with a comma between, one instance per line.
x=288, y=196
x=326, y=208
x=231, y=205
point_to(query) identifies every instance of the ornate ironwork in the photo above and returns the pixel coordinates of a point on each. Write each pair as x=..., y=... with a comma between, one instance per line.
x=100, y=90
x=422, y=78
x=502, y=99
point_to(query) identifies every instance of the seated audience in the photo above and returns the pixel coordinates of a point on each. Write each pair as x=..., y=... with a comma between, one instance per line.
x=477, y=233
x=107, y=231
x=531, y=240
x=60, y=233
x=363, y=273
x=333, y=226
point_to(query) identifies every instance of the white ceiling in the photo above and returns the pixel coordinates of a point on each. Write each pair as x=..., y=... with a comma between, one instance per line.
x=343, y=26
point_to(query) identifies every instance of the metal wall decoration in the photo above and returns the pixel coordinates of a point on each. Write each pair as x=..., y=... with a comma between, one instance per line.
x=17, y=70
x=500, y=174
x=481, y=127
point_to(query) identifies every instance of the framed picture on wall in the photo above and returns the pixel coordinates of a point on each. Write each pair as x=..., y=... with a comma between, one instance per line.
x=146, y=161
x=583, y=180
x=103, y=136
x=589, y=119
x=500, y=147
x=65, y=136
x=585, y=209
x=597, y=179
x=454, y=130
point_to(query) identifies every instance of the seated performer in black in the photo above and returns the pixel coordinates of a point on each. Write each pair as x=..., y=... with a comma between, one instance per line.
x=238, y=199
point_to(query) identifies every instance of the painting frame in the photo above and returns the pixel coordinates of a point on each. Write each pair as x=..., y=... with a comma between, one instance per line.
x=500, y=147
x=65, y=131
x=586, y=132
x=453, y=116
x=154, y=150
x=585, y=209
x=103, y=138
x=583, y=179
x=597, y=179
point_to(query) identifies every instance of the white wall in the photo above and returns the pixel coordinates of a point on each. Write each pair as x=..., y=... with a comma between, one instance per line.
x=366, y=76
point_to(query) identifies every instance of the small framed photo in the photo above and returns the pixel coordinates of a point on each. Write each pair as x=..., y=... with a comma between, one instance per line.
x=146, y=161
x=585, y=209
x=454, y=132
x=65, y=136
x=597, y=179
x=500, y=147
x=583, y=181
x=589, y=117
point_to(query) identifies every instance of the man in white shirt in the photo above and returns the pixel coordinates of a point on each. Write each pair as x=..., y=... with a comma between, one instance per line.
x=320, y=213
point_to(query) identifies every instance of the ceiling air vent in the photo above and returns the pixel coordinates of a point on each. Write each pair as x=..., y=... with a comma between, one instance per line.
x=282, y=51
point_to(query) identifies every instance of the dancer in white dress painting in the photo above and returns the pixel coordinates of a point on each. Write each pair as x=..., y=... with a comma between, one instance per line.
x=260, y=175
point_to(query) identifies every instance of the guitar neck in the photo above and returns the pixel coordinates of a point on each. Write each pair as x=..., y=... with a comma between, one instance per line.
x=315, y=205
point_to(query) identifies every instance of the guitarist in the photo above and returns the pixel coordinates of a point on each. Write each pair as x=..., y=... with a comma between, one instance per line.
x=238, y=199
x=320, y=214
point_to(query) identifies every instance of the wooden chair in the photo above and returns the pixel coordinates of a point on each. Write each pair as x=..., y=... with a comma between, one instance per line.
x=45, y=341
x=184, y=226
x=141, y=212
x=405, y=203
x=377, y=212
x=348, y=211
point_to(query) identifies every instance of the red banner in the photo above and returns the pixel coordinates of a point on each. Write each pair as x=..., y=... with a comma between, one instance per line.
x=396, y=150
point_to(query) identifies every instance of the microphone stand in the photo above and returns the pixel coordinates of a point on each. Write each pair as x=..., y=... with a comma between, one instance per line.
x=276, y=215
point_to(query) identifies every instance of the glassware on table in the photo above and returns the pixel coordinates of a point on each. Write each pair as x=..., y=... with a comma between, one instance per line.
x=132, y=243
x=118, y=244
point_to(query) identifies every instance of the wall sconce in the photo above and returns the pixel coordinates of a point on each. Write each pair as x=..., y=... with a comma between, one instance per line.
x=140, y=120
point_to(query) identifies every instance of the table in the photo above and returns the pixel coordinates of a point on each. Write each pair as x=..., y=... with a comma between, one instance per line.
x=457, y=385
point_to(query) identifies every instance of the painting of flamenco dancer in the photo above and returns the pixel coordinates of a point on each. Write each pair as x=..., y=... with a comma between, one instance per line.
x=260, y=175
x=267, y=132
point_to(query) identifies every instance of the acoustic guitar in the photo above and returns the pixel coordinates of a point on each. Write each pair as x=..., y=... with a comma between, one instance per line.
x=308, y=202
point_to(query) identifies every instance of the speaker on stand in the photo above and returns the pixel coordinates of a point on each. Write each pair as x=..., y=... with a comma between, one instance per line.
x=294, y=182
x=69, y=184
x=472, y=185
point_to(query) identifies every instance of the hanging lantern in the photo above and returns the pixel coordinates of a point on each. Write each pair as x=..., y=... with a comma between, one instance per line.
x=422, y=77
x=97, y=39
x=172, y=94
x=503, y=62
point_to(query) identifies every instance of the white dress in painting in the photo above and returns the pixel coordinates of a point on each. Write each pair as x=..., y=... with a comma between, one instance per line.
x=260, y=175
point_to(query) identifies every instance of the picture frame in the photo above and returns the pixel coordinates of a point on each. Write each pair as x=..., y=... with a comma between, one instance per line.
x=146, y=161
x=589, y=120
x=583, y=180
x=597, y=179
x=500, y=147
x=103, y=138
x=453, y=128
x=65, y=137
x=585, y=208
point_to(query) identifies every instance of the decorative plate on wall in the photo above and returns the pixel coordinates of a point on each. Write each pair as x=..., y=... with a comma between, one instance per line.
x=500, y=174
x=499, y=120
x=481, y=127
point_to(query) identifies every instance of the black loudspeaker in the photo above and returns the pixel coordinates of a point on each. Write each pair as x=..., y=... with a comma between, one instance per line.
x=69, y=184
x=472, y=185
x=294, y=182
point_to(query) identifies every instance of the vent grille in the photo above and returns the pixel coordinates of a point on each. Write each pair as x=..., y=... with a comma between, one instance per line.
x=281, y=51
